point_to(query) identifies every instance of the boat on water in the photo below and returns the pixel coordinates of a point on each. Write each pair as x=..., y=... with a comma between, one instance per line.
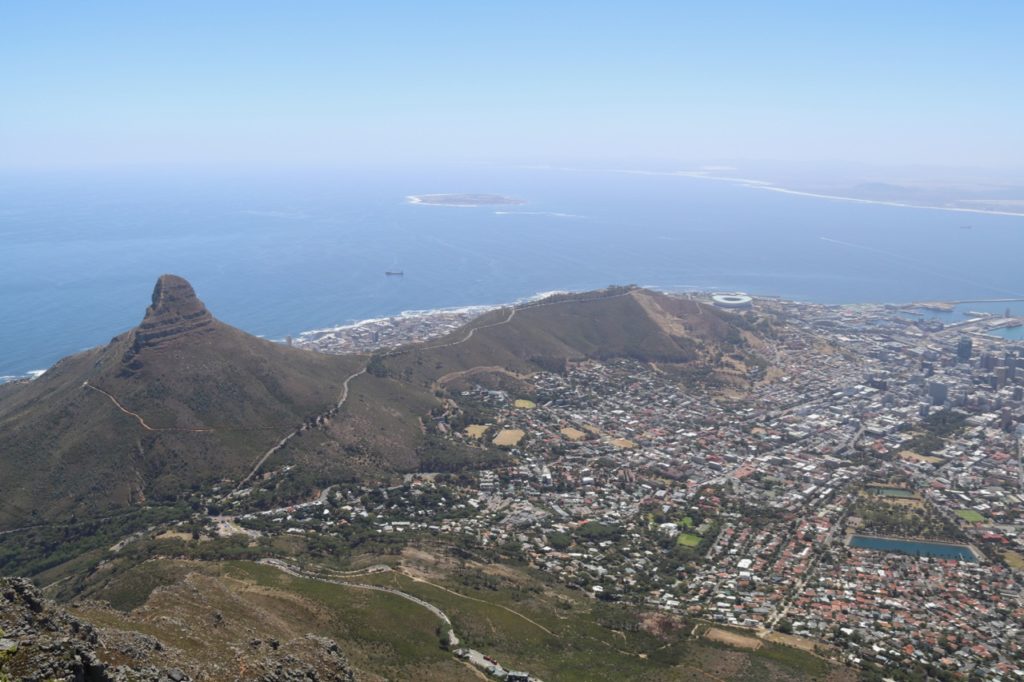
x=394, y=273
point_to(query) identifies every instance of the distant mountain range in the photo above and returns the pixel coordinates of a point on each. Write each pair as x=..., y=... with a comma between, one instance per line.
x=184, y=401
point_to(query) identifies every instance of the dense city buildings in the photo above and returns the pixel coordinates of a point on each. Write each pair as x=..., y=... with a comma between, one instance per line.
x=862, y=491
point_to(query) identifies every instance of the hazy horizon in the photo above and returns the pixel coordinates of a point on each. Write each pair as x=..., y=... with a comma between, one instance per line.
x=238, y=84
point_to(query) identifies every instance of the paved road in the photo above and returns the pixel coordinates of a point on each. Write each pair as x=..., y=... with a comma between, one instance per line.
x=284, y=441
x=475, y=657
x=299, y=573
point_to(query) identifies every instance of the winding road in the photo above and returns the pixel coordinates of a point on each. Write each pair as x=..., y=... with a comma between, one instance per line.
x=281, y=443
x=473, y=656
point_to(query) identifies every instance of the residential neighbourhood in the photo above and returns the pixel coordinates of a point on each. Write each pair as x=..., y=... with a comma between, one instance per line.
x=760, y=508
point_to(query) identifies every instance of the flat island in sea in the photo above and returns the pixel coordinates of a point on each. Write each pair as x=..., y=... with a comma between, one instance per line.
x=463, y=200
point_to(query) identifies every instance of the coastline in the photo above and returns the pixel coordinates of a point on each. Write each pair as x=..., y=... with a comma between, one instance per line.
x=30, y=375
x=308, y=337
x=772, y=187
x=408, y=326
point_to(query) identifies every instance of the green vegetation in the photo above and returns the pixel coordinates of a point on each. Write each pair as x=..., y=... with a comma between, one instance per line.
x=238, y=395
x=970, y=516
x=224, y=395
x=900, y=493
x=368, y=616
x=793, y=659
x=560, y=541
x=129, y=588
x=935, y=428
x=619, y=322
x=688, y=540
x=76, y=546
x=1013, y=559
x=902, y=519
x=528, y=634
x=597, y=531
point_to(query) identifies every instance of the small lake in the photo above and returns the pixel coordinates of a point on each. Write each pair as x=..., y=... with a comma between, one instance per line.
x=939, y=550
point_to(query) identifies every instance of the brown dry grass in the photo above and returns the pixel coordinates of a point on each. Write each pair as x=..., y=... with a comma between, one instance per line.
x=509, y=437
x=733, y=639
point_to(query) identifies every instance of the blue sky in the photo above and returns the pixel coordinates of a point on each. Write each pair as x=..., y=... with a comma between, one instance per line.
x=111, y=83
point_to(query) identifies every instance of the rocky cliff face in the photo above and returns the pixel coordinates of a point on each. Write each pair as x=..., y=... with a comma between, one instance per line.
x=175, y=312
x=41, y=641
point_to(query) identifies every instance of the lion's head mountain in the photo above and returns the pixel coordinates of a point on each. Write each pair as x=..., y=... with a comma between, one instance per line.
x=184, y=401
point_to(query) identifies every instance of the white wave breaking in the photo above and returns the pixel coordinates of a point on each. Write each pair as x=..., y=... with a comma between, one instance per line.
x=551, y=214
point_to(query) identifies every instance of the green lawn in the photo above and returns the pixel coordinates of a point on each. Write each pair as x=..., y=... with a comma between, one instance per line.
x=688, y=540
x=885, y=491
x=970, y=516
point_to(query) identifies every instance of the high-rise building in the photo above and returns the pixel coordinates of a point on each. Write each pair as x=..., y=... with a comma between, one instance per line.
x=963, y=349
x=938, y=392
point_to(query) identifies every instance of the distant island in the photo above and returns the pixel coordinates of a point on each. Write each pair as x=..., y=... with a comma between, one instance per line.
x=463, y=200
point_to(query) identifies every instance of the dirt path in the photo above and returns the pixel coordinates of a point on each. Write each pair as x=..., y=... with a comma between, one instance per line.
x=138, y=417
x=476, y=370
x=472, y=331
x=511, y=315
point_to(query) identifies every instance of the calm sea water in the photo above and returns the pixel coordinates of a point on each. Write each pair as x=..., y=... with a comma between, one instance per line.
x=277, y=255
x=964, y=311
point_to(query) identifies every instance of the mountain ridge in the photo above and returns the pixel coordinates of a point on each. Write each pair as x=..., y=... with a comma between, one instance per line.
x=185, y=402
x=181, y=400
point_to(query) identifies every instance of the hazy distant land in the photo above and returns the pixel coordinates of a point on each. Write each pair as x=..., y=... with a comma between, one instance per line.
x=464, y=200
x=949, y=190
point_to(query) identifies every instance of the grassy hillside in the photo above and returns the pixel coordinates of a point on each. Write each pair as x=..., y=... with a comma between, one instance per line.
x=206, y=404
x=614, y=323
x=184, y=401
x=524, y=623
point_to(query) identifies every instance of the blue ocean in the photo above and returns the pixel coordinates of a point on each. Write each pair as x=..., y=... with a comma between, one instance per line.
x=281, y=253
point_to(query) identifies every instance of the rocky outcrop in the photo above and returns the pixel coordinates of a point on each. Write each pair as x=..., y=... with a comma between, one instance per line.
x=41, y=641
x=175, y=311
x=308, y=659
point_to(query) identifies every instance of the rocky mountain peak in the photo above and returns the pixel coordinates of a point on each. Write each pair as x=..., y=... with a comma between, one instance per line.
x=173, y=294
x=175, y=311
